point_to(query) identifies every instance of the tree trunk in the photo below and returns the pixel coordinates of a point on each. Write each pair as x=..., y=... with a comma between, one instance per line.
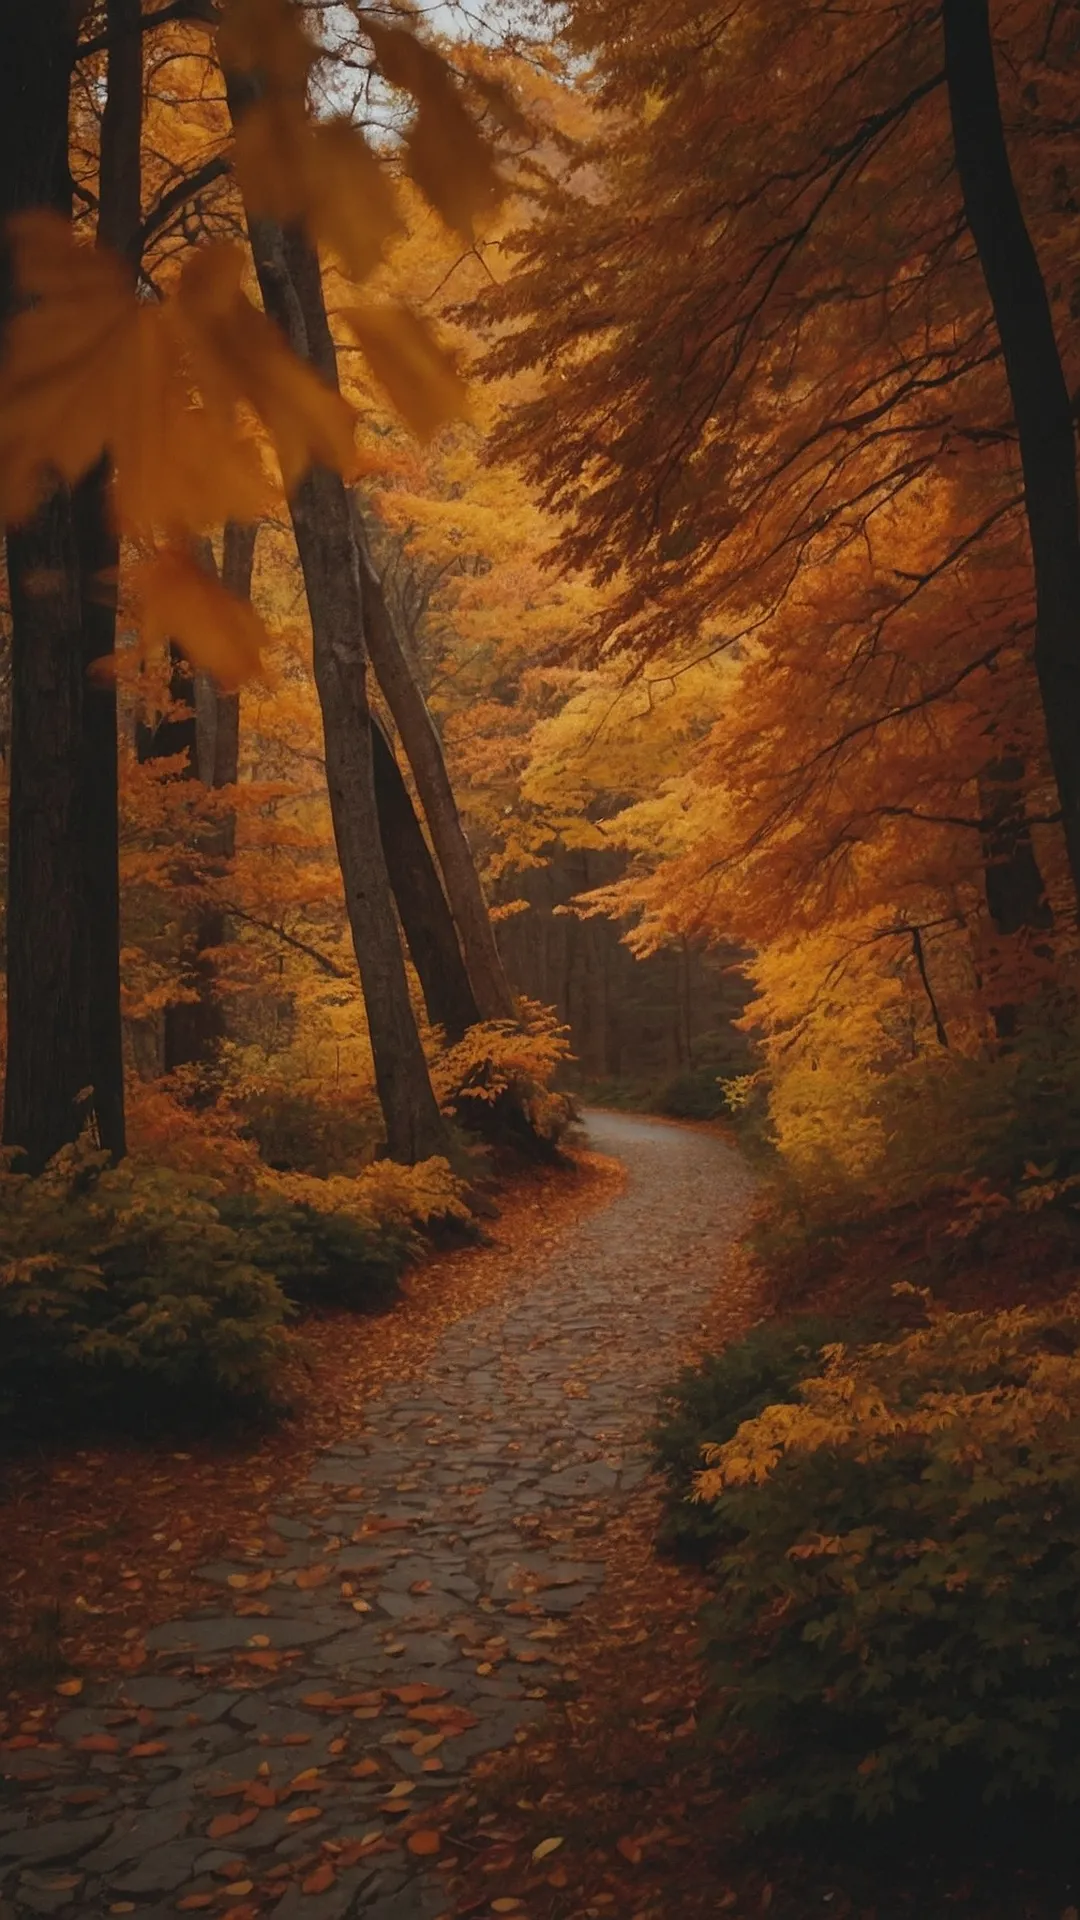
x=48, y=1049
x=291, y=286
x=1040, y=396
x=423, y=747
x=119, y=222
x=425, y=917
x=1015, y=892
x=208, y=734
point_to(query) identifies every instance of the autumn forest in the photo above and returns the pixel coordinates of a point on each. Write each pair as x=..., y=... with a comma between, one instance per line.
x=540, y=1188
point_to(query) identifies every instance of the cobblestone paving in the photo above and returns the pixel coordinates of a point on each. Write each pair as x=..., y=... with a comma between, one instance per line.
x=407, y=1614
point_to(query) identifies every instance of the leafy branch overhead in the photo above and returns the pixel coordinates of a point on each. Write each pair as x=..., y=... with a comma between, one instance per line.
x=185, y=394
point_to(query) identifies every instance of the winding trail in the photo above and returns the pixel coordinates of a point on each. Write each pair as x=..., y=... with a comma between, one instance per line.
x=408, y=1613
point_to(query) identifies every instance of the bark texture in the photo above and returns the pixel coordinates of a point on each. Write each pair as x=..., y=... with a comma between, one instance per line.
x=48, y=1057
x=119, y=225
x=291, y=287
x=426, y=919
x=1037, y=384
x=421, y=742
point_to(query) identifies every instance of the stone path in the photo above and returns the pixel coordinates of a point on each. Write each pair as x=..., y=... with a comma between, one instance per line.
x=407, y=1614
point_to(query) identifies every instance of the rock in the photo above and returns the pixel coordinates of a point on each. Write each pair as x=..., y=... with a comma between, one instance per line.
x=137, y=1832
x=163, y=1871
x=54, y=1840
x=223, y=1634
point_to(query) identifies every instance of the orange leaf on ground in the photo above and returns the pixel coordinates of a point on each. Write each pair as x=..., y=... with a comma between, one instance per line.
x=424, y=1840
x=98, y=1743
x=191, y=1902
x=300, y=1815
x=147, y=1748
x=319, y=1881
x=317, y=1576
x=69, y=1688
x=630, y=1849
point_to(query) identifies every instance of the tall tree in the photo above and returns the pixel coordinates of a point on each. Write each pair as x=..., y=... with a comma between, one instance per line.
x=423, y=746
x=426, y=919
x=289, y=280
x=48, y=1059
x=119, y=228
x=1040, y=395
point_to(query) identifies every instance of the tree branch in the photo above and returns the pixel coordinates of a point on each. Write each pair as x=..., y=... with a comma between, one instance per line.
x=185, y=189
x=322, y=960
x=177, y=10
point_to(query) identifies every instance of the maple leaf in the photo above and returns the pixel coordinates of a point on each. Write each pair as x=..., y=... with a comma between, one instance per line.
x=420, y=376
x=450, y=160
x=323, y=174
x=178, y=600
x=238, y=354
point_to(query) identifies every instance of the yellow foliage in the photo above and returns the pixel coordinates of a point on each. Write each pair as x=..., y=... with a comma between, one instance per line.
x=420, y=376
x=868, y=1398
x=386, y=1193
x=448, y=157
x=89, y=370
x=178, y=600
x=324, y=174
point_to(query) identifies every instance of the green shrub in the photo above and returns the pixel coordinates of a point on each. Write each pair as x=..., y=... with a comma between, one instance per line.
x=320, y=1259
x=696, y=1094
x=124, y=1294
x=706, y=1404
x=319, y=1130
x=898, y=1598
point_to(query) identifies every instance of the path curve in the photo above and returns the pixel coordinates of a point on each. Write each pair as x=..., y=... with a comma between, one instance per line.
x=437, y=1556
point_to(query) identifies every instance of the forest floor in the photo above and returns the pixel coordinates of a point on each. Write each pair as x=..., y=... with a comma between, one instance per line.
x=412, y=1654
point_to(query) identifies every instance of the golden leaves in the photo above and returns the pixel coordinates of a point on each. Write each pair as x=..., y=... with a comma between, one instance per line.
x=420, y=377
x=324, y=174
x=238, y=355
x=91, y=369
x=448, y=157
x=179, y=601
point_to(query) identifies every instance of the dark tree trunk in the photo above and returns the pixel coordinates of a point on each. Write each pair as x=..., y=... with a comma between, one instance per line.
x=1015, y=891
x=1040, y=396
x=291, y=286
x=119, y=221
x=194, y=1029
x=420, y=739
x=425, y=917
x=48, y=1059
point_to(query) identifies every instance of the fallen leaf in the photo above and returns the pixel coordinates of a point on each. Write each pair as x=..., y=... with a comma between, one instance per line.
x=364, y=1769
x=69, y=1688
x=319, y=1881
x=630, y=1849
x=316, y=1576
x=507, y=1903
x=424, y=1840
x=547, y=1846
x=97, y=1743
x=260, y=1795
x=191, y=1902
x=300, y=1815
x=225, y=1823
x=147, y=1748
